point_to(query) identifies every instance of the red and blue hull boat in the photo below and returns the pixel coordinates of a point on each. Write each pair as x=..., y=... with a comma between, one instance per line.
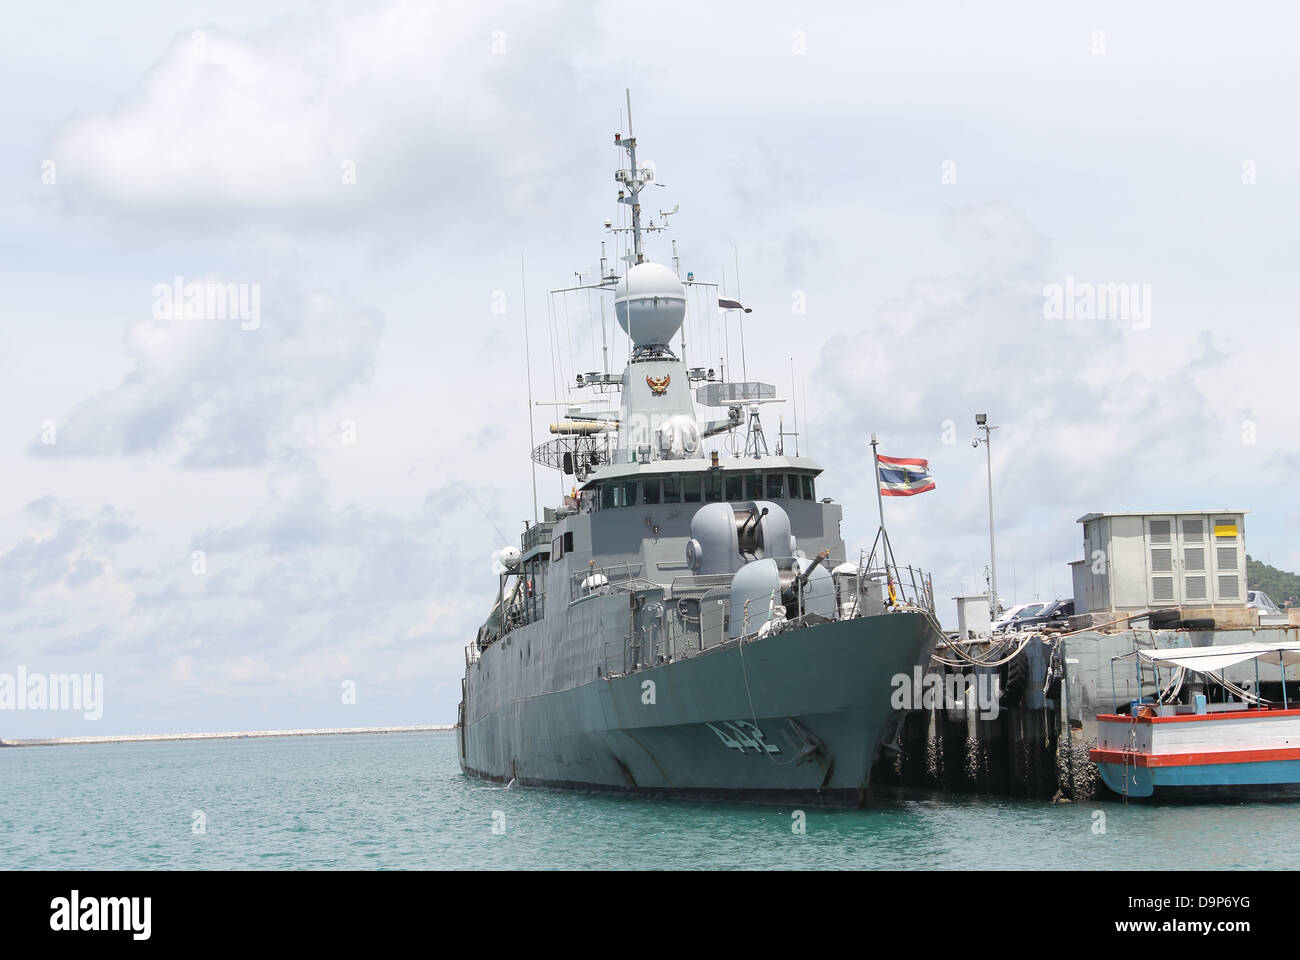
x=1201, y=751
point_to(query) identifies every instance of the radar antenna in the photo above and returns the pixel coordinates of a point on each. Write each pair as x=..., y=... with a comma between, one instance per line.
x=634, y=181
x=755, y=442
x=633, y=178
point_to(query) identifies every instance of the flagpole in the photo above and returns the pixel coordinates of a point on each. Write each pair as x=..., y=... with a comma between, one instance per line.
x=883, y=535
x=982, y=423
x=875, y=467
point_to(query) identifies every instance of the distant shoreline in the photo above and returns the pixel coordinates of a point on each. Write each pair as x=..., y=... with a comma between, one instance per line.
x=234, y=735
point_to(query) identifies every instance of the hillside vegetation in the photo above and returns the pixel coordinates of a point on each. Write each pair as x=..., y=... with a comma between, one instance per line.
x=1282, y=587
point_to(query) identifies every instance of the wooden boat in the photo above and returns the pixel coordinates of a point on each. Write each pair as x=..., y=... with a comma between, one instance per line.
x=1201, y=751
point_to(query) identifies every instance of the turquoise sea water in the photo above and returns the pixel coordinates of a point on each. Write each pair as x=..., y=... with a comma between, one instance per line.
x=398, y=801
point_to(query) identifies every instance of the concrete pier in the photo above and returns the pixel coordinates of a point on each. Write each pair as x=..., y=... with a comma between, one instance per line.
x=1037, y=746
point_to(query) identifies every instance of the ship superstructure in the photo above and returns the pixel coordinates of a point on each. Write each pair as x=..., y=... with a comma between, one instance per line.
x=686, y=620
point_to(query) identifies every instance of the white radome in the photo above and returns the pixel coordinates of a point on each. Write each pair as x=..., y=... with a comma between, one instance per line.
x=650, y=303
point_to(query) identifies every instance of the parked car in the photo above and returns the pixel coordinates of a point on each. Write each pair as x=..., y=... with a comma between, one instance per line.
x=1259, y=600
x=1057, y=615
x=1010, y=619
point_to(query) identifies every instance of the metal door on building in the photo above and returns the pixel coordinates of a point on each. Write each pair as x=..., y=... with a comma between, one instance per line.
x=1228, y=562
x=1195, y=561
x=1162, y=579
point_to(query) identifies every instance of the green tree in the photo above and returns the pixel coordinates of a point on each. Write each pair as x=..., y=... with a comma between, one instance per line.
x=1282, y=587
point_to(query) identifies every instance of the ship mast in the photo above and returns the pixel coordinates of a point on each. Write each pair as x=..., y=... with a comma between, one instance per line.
x=633, y=180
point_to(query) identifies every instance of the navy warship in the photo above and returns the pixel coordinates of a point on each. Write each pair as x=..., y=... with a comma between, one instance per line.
x=685, y=621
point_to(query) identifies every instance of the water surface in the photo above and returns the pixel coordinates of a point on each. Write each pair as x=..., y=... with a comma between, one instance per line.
x=398, y=801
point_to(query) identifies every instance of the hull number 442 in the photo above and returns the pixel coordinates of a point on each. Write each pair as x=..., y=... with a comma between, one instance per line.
x=742, y=735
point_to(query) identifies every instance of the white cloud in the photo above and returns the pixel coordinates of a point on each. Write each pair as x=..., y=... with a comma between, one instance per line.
x=214, y=395
x=303, y=594
x=957, y=343
x=375, y=111
x=66, y=552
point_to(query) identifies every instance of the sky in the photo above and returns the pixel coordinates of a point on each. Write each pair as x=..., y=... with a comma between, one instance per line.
x=287, y=517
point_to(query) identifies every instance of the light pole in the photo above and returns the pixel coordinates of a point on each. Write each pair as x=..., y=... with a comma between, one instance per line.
x=982, y=423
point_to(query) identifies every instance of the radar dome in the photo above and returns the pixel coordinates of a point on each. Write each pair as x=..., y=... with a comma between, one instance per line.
x=650, y=303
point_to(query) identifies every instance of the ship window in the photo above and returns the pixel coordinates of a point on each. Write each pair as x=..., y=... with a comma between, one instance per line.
x=650, y=490
x=690, y=489
x=629, y=493
x=809, y=493
x=754, y=486
x=774, y=486
x=792, y=484
x=713, y=487
x=607, y=496
x=557, y=549
x=672, y=489
x=568, y=542
x=735, y=487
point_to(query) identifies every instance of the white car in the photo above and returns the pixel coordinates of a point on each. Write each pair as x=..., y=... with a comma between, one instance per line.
x=1259, y=600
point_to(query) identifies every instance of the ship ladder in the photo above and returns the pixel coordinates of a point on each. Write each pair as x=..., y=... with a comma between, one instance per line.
x=1129, y=751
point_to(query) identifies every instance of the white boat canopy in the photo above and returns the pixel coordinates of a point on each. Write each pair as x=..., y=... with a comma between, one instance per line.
x=1216, y=658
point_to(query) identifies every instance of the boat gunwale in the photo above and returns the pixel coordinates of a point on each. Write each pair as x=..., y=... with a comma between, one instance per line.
x=1257, y=714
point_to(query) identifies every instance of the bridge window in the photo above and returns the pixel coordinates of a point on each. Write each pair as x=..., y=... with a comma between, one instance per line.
x=650, y=490
x=607, y=496
x=735, y=487
x=672, y=489
x=754, y=486
x=560, y=546
x=628, y=493
x=713, y=487
x=690, y=489
x=809, y=492
x=774, y=486
x=792, y=484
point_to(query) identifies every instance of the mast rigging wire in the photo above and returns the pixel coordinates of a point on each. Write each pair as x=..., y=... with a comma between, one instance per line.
x=528, y=366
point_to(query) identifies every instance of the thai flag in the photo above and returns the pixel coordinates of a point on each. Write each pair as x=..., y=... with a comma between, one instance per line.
x=904, y=476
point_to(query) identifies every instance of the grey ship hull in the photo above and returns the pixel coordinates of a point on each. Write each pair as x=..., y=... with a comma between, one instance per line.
x=820, y=696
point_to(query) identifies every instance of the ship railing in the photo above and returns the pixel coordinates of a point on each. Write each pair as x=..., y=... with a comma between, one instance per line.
x=610, y=578
x=538, y=533
x=523, y=612
x=697, y=611
x=700, y=583
x=696, y=620
x=620, y=660
x=472, y=653
x=649, y=644
x=625, y=658
x=898, y=588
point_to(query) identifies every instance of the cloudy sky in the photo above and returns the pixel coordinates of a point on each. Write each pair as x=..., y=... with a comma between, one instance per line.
x=231, y=519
